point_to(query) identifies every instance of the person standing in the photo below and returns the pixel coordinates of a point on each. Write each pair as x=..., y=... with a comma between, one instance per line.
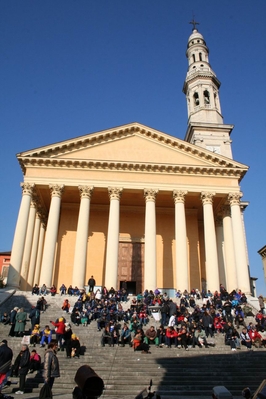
x=51, y=364
x=23, y=360
x=6, y=356
x=13, y=315
x=21, y=319
x=261, y=303
x=34, y=316
x=60, y=331
x=91, y=284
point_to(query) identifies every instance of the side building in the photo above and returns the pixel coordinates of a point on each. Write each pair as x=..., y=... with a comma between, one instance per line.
x=134, y=203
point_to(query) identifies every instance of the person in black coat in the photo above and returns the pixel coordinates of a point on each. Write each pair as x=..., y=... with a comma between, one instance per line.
x=13, y=315
x=6, y=356
x=91, y=284
x=23, y=361
x=34, y=316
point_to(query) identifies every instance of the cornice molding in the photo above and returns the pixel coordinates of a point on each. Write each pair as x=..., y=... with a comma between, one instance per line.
x=223, y=168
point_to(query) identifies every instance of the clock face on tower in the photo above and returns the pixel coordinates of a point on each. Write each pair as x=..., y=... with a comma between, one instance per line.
x=214, y=148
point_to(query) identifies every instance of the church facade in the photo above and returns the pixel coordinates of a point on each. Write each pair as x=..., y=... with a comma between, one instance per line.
x=133, y=203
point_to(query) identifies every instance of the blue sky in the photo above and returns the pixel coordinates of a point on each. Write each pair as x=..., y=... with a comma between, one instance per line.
x=70, y=68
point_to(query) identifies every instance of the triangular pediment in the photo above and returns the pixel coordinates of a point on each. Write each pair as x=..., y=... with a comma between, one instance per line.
x=135, y=148
x=132, y=147
x=135, y=143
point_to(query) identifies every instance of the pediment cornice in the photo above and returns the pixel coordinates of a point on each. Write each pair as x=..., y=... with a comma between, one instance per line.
x=218, y=170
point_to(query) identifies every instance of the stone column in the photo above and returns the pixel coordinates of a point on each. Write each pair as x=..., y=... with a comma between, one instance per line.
x=212, y=269
x=229, y=251
x=40, y=251
x=239, y=243
x=220, y=249
x=51, y=235
x=80, y=258
x=20, y=235
x=34, y=250
x=182, y=279
x=27, y=247
x=150, y=266
x=111, y=269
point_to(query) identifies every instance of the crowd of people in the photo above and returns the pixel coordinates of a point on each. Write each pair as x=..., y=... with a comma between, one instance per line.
x=198, y=316
x=149, y=319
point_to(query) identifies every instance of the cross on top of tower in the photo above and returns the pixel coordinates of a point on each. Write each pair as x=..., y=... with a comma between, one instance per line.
x=194, y=23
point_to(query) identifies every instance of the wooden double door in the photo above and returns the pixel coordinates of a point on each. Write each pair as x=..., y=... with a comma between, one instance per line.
x=131, y=266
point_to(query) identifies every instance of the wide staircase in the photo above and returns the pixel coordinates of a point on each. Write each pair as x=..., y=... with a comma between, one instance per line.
x=175, y=373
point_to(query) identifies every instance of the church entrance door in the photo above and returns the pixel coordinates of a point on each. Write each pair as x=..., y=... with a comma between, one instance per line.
x=131, y=265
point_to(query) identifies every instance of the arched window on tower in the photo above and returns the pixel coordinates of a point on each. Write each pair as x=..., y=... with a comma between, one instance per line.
x=206, y=97
x=215, y=100
x=196, y=98
x=200, y=56
x=193, y=56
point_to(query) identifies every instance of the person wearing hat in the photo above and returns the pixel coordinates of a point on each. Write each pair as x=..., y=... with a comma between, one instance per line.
x=35, y=335
x=6, y=355
x=46, y=336
x=73, y=347
x=60, y=331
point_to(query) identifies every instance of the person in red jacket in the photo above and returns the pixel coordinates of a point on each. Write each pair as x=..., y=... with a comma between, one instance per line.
x=255, y=337
x=60, y=331
x=170, y=337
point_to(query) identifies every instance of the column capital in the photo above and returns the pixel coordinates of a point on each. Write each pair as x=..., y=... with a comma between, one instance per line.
x=225, y=210
x=85, y=191
x=207, y=197
x=35, y=201
x=115, y=193
x=42, y=216
x=27, y=188
x=234, y=198
x=150, y=194
x=56, y=190
x=179, y=196
x=218, y=221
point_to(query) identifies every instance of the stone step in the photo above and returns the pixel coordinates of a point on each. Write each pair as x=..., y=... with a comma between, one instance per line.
x=176, y=373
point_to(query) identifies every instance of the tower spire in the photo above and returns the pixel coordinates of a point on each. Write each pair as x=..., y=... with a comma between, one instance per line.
x=201, y=88
x=201, y=85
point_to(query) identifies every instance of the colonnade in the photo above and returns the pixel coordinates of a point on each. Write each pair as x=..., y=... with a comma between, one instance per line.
x=35, y=239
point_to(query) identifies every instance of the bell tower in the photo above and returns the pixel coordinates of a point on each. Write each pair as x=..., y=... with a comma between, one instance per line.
x=201, y=87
